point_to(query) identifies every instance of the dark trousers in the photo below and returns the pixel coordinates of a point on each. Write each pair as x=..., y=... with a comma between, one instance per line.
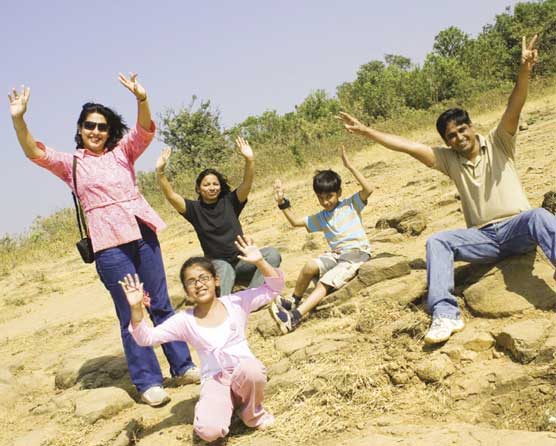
x=144, y=258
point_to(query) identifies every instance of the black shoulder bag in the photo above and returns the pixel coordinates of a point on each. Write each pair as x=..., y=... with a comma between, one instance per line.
x=84, y=246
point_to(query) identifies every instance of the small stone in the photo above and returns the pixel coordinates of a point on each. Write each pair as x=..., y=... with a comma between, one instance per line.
x=434, y=368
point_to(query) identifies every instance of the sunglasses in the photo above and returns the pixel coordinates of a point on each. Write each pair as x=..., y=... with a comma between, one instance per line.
x=101, y=126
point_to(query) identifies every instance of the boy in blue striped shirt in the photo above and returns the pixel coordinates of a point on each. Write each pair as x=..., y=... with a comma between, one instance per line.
x=341, y=223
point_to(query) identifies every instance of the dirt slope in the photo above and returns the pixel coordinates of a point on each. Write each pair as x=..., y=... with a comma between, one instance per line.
x=355, y=373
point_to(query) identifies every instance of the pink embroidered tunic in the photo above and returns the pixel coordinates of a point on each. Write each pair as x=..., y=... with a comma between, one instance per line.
x=183, y=327
x=107, y=188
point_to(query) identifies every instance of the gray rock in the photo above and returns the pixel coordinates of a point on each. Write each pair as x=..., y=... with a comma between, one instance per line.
x=524, y=339
x=547, y=352
x=37, y=437
x=473, y=340
x=434, y=368
x=283, y=382
x=6, y=376
x=412, y=224
x=388, y=235
x=95, y=404
x=326, y=346
x=297, y=340
x=9, y=395
x=513, y=286
x=379, y=269
x=279, y=368
x=267, y=328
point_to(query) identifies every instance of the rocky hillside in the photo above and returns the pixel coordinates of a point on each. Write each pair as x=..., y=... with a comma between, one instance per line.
x=357, y=372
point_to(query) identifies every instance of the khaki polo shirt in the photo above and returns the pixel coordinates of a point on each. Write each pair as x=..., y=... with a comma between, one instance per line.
x=489, y=187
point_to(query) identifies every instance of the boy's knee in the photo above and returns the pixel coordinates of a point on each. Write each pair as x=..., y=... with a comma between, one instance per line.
x=311, y=268
x=209, y=431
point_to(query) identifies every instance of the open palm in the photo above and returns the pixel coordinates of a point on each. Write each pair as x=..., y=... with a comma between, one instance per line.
x=133, y=289
x=244, y=148
x=132, y=85
x=18, y=101
x=250, y=252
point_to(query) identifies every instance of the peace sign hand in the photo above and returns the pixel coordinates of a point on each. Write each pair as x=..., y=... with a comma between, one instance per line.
x=132, y=85
x=529, y=54
x=244, y=148
x=18, y=101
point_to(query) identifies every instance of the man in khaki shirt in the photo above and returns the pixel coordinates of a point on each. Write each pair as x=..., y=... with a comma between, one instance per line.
x=499, y=218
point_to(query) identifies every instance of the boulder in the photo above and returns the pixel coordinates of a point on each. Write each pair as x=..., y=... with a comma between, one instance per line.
x=516, y=284
x=94, y=404
x=379, y=269
x=524, y=339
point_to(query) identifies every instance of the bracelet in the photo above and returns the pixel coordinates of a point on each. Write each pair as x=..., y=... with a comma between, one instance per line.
x=142, y=100
x=285, y=204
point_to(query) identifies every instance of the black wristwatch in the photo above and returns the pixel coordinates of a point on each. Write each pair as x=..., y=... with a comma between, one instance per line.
x=285, y=204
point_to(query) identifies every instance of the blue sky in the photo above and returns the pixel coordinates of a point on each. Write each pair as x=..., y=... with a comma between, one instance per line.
x=245, y=56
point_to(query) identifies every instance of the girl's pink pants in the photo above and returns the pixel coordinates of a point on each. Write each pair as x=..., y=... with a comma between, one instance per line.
x=245, y=392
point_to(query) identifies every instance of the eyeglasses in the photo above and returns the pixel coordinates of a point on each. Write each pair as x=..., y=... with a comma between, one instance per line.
x=203, y=278
x=101, y=126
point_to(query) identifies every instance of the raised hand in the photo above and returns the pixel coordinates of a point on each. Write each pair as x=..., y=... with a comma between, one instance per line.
x=279, y=191
x=163, y=159
x=345, y=159
x=132, y=85
x=351, y=124
x=250, y=252
x=133, y=289
x=529, y=54
x=18, y=101
x=245, y=149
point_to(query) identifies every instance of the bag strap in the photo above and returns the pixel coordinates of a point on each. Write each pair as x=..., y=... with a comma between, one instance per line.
x=78, y=209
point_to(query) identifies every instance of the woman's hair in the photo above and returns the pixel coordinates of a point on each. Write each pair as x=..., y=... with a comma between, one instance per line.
x=202, y=262
x=117, y=126
x=224, y=186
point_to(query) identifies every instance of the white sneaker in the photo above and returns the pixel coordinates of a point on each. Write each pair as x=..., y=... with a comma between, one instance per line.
x=442, y=328
x=191, y=376
x=155, y=396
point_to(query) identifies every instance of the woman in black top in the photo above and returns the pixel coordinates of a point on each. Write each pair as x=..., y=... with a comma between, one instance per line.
x=215, y=218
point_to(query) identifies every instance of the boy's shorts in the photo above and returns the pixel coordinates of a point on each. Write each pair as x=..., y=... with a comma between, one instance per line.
x=336, y=269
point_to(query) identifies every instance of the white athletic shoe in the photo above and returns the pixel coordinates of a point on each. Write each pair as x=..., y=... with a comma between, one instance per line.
x=155, y=396
x=442, y=328
x=191, y=376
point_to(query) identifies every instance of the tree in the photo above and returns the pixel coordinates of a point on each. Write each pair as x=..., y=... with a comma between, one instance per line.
x=450, y=42
x=195, y=136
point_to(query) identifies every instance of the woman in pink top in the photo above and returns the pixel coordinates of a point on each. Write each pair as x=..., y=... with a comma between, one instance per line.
x=232, y=378
x=122, y=225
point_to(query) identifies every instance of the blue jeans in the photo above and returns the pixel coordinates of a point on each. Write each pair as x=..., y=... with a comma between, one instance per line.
x=243, y=271
x=144, y=258
x=488, y=244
